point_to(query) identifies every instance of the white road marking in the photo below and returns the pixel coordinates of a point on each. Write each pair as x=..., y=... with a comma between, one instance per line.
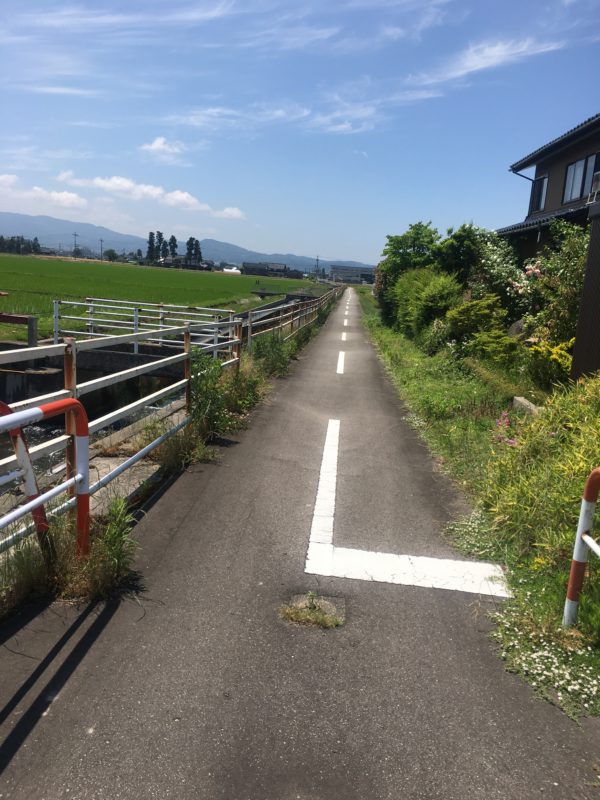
x=321, y=531
x=344, y=335
x=345, y=322
x=323, y=558
x=340, y=364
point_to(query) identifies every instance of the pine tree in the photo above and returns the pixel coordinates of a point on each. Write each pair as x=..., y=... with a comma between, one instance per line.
x=173, y=246
x=151, y=251
x=197, y=252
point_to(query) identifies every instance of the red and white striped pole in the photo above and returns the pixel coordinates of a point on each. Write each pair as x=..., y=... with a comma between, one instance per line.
x=581, y=549
x=32, y=491
x=82, y=451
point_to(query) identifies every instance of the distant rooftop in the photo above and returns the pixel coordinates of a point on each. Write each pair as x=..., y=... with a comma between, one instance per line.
x=585, y=128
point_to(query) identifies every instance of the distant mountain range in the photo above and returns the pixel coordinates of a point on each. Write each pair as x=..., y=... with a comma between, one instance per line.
x=58, y=234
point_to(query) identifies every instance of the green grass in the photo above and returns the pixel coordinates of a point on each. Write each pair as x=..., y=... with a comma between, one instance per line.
x=525, y=476
x=34, y=282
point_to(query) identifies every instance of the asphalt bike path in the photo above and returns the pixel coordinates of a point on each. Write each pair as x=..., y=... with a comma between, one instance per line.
x=195, y=688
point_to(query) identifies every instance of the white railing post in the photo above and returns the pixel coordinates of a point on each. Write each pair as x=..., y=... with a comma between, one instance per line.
x=136, y=328
x=90, y=323
x=216, y=340
x=250, y=331
x=56, y=328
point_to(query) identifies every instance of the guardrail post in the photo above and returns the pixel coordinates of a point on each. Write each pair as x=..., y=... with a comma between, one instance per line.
x=187, y=369
x=161, y=321
x=581, y=549
x=56, y=302
x=250, y=331
x=32, y=331
x=70, y=384
x=216, y=340
x=136, y=328
x=90, y=322
x=239, y=329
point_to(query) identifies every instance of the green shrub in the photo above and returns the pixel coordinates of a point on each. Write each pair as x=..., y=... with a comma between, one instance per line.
x=475, y=316
x=272, y=353
x=210, y=416
x=434, y=337
x=407, y=290
x=550, y=364
x=495, y=345
x=441, y=293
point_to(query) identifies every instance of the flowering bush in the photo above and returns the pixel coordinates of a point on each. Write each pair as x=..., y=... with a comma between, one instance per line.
x=550, y=364
x=498, y=273
x=554, y=282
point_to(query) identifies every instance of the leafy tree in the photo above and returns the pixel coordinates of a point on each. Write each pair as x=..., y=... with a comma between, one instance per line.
x=158, y=244
x=189, y=250
x=413, y=249
x=139, y=255
x=460, y=253
x=173, y=246
x=197, y=252
x=151, y=251
x=111, y=254
x=164, y=250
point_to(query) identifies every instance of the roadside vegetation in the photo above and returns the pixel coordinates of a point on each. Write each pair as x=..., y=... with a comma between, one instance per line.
x=462, y=328
x=34, y=282
x=221, y=403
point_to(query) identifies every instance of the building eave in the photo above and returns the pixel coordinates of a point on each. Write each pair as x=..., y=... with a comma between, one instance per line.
x=543, y=220
x=585, y=128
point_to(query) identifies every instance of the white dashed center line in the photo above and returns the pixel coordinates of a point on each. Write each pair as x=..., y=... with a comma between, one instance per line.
x=344, y=334
x=340, y=364
x=345, y=322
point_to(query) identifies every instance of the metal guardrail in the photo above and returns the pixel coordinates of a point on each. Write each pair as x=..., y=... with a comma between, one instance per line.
x=224, y=340
x=584, y=542
x=78, y=481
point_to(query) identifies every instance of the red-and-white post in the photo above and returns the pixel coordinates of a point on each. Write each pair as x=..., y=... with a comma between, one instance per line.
x=14, y=421
x=582, y=548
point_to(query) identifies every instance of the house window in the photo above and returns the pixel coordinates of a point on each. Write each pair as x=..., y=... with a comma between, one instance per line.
x=538, y=194
x=578, y=180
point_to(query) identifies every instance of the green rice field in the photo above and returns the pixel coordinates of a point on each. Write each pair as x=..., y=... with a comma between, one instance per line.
x=33, y=282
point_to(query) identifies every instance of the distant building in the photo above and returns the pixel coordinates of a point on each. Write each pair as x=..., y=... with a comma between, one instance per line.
x=342, y=274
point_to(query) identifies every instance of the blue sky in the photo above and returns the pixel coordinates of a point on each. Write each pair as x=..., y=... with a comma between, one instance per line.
x=312, y=127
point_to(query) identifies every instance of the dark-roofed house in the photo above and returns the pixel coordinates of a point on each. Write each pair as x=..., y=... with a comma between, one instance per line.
x=561, y=186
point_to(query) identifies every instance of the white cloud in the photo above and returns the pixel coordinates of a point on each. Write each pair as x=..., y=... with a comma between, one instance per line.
x=211, y=117
x=485, y=55
x=69, y=91
x=229, y=213
x=180, y=199
x=164, y=151
x=62, y=199
x=128, y=188
x=11, y=192
x=7, y=182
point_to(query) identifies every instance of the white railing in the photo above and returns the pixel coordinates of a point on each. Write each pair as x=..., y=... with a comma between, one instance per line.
x=98, y=317
x=224, y=342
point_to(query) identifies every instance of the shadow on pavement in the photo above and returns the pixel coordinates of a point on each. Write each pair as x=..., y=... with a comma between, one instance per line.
x=31, y=715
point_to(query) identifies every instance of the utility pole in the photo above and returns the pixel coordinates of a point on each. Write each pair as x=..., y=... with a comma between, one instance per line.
x=75, y=245
x=101, y=243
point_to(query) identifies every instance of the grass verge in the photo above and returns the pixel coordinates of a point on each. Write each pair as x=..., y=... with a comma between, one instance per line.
x=106, y=572
x=524, y=476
